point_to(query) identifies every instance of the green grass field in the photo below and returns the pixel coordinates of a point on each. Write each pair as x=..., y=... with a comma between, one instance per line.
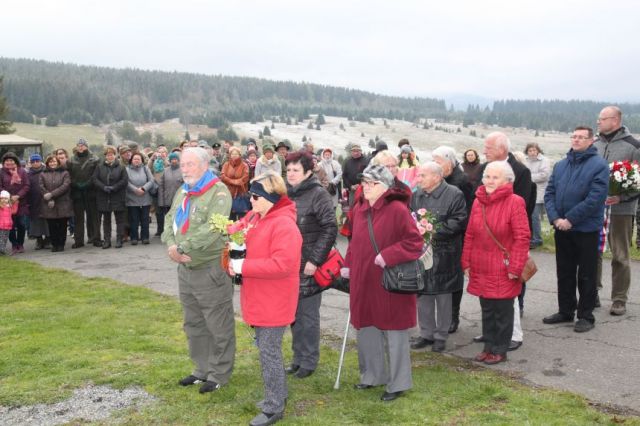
x=60, y=331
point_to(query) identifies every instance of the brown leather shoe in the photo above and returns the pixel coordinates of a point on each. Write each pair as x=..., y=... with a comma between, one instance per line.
x=492, y=359
x=481, y=356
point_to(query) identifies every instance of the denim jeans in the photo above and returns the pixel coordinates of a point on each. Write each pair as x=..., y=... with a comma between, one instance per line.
x=139, y=217
x=536, y=220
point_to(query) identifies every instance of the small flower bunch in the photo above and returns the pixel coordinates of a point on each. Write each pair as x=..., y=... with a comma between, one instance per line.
x=624, y=177
x=426, y=222
x=235, y=231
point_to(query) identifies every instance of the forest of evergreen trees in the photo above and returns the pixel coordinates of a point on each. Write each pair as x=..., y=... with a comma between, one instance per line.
x=77, y=94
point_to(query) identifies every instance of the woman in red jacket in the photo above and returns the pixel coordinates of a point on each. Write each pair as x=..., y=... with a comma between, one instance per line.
x=493, y=277
x=270, y=280
x=235, y=174
x=383, y=319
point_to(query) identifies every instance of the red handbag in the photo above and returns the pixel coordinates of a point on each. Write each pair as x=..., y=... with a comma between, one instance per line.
x=330, y=269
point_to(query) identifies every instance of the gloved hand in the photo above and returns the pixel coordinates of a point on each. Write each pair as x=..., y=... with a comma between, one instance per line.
x=236, y=264
x=47, y=196
x=345, y=272
x=51, y=204
x=108, y=189
x=380, y=261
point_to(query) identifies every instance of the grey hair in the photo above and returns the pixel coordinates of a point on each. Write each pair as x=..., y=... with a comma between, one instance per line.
x=504, y=166
x=501, y=140
x=384, y=155
x=201, y=153
x=447, y=153
x=433, y=167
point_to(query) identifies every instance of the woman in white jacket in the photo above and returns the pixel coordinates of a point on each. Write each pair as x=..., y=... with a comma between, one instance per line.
x=268, y=161
x=333, y=169
x=540, y=168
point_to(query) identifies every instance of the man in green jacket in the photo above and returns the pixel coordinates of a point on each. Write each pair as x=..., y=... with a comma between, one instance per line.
x=205, y=289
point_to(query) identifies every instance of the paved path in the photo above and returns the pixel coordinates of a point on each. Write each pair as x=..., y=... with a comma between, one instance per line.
x=603, y=364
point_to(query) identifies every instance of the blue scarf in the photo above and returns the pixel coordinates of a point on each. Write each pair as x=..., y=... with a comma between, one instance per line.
x=203, y=185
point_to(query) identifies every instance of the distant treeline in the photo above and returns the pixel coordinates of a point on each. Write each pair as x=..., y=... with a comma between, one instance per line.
x=87, y=94
x=78, y=94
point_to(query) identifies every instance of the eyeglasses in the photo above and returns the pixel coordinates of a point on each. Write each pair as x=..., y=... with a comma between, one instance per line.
x=579, y=137
x=255, y=197
x=369, y=183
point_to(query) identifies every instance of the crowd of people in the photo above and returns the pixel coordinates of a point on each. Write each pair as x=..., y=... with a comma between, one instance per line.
x=488, y=216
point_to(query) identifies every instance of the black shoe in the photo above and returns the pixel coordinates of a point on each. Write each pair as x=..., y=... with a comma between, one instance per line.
x=390, y=396
x=597, y=304
x=77, y=245
x=583, y=325
x=303, y=372
x=209, y=386
x=118, y=242
x=421, y=343
x=106, y=244
x=479, y=339
x=557, y=318
x=97, y=243
x=513, y=345
x=39, y=244
x=292, y=369
x=190, y=380
x=454, y=325
x=264, y=419
x=362, y=386
x=438, y=346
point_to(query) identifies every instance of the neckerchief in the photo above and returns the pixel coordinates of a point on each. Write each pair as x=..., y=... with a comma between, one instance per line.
x=203, y=185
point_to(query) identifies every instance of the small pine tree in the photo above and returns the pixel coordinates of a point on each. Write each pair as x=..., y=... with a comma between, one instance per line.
x=537, y=134
x=320, y=119
x=260, y=135
x=310, y=125
x=362, y=134
x=108, y=138
x=342, y=127
x=304, y=138
x=187, y=136
x=377, y=138
x=273, y=126
x=372, y=143
x=266, y=131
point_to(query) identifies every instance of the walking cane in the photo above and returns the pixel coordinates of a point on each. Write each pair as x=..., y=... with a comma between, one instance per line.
x=344, y=345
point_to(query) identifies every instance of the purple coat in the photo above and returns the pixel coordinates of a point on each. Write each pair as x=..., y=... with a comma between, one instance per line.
x=20, y=189
x=399, y=241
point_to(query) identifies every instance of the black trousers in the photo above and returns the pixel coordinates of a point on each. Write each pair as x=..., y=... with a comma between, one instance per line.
x=497, y=324
x=58, y=231
x=576, y=266
x=106, y=223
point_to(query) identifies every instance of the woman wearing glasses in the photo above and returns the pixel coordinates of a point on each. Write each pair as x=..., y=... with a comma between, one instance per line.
x=317, y=223
x=269, y=292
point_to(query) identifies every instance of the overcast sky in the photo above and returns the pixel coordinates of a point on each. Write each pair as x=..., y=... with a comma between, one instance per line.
x=559, y=49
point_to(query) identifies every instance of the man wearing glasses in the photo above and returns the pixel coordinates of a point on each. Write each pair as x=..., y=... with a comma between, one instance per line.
x=574, y=200
x=615, y=143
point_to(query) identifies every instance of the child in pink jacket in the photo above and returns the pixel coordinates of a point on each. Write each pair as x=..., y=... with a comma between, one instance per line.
x=6, y=223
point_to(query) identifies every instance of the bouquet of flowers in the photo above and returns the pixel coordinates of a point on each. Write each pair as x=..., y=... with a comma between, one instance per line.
x=235, y=232
x=624, y=178
x=427, y=226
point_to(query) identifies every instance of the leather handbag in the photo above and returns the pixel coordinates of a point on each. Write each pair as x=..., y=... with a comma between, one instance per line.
x=329, y=271
x=530, y=267
x=404, y=278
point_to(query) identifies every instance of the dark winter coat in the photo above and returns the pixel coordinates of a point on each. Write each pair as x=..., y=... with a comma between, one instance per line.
x=170, y=181
x=461, y=181
x=351, y=169
x=20, y=189
x=399, y=241
x=57, y=182
x=35, y=196
x=115, y=176
x=622, y=146
x=269, y=292
x=447, y=203
x=81, y=168
x=578, y=189
x=507, y=219
x=316, y=220
x=474, y=174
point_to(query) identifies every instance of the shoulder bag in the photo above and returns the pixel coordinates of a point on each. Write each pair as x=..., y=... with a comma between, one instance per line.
x=404, y=278
x=530, y=267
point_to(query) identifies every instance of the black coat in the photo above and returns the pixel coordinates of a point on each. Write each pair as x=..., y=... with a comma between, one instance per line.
x=316, y=220
x=447, y=203
x=35, y=197
x=115, y=176
x=461, y=181
x=351, y=169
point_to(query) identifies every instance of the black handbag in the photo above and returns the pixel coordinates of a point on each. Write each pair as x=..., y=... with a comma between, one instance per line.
x=404, y=278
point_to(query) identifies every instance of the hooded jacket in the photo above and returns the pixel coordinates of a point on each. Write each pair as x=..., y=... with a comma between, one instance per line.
x=269, y=291
x=507, y=219
x=578, y=189
x=623, y=146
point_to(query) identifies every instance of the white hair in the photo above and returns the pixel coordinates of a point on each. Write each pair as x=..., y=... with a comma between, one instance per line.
x=384, y=155
x=500, y=139
x=433, y=167
x=200, y=153
x=501, y=165
x=446, y=153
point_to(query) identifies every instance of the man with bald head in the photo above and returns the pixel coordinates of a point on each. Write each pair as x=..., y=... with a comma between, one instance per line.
x=447, y=203
x=615, y=143
x=205, y=289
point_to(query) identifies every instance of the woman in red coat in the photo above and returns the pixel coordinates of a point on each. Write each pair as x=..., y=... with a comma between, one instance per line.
x=491, y=277
x=382, y=319
x=270, y=280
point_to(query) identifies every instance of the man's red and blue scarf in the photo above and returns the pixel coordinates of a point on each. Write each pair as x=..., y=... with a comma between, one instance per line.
x=203, y=185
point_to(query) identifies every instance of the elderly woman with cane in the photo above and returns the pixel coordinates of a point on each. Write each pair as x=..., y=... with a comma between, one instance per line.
x=382, y=319
x=269, y=292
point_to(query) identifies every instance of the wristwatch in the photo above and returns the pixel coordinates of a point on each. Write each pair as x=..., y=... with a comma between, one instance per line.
x=179, y=250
